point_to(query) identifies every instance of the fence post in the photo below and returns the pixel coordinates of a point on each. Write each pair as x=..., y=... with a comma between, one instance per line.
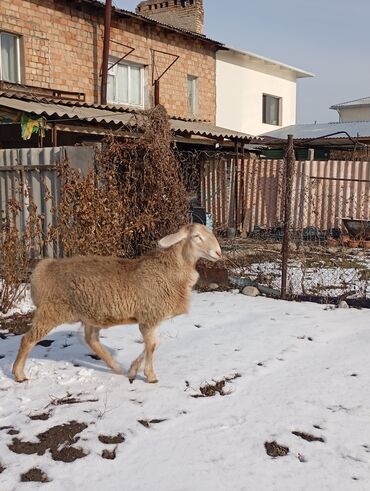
x=289, y=161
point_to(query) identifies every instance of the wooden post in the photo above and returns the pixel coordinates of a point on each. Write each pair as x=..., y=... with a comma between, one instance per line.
x=288, y=185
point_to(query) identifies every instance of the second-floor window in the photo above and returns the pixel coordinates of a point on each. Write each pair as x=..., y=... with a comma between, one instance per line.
x=126, y=83
x=271, y=110
x=192, y=95
x=9, y=58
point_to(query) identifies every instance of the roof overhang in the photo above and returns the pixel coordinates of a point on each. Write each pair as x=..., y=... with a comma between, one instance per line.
x=269, y=61
x=103, y=119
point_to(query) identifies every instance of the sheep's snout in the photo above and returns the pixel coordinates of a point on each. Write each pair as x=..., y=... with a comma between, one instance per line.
x=215, y=255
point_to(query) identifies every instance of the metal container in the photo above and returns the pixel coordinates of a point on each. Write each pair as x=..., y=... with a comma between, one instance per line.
x=358, y=229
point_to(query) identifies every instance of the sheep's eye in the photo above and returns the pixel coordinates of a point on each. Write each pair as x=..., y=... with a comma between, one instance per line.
x=198, y=237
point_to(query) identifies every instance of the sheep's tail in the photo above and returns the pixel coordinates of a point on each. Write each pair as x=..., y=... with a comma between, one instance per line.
x=38, y=279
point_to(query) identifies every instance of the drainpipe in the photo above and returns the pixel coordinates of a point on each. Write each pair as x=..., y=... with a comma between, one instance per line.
x=104, y=76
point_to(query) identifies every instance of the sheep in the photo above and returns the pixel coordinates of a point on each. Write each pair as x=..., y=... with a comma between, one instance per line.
x=102, y=292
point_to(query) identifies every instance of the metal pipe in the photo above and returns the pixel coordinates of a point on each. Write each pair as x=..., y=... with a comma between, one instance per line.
x=156, y=92
x=104, y=76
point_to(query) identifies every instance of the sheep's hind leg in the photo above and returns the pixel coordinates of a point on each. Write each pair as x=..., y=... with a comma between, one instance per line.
x=42, y=323
x=92, y=339
x=135, y=366
x=151, y=343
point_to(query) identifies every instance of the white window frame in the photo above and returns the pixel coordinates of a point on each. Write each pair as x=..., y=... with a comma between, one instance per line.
x=280, y=109
x=113, y=72
x=192, y=110
x=19, y=78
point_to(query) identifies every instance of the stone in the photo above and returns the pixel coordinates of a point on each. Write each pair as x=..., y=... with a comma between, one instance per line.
x=343, y=305
x=251, y=291
x=213, y=286
x=332, y=250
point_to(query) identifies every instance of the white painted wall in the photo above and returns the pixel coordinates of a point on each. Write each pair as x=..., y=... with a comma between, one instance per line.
x=241, y=82
x=354, y=114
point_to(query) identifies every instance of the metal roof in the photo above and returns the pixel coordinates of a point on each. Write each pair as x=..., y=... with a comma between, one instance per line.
x=57, y=111
x=143, y=18
x=299, y=73
x=365, y=101
x=356, y=129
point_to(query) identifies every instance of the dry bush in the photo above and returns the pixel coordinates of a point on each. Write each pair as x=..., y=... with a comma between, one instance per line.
x=18, y=245
x=89, y=214
x=154, y=198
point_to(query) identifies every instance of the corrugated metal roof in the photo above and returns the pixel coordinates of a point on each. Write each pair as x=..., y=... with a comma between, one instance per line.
x=307, y=131
x=143, y=18
x=365, y=101
x=58, y=112
x=66, y=111
x=207, y=130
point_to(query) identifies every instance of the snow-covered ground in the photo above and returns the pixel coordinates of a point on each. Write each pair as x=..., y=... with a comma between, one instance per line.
x=322, y=281
x=303, y=368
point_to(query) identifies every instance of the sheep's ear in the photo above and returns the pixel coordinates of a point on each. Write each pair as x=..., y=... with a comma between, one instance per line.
x=173, y=239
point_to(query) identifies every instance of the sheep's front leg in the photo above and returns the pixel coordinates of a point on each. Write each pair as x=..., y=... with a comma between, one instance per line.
x=151, y=343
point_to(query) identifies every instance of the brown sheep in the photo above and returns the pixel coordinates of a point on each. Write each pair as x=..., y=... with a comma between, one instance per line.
x=101, y=292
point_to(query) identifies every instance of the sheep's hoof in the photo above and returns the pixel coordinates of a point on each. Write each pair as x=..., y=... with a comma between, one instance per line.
x=131, y=380
x=152, y=380
x=20, y=379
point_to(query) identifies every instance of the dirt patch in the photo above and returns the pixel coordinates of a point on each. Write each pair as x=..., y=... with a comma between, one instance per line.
x=214, y=274
x=13, y=432
x=35, y=475
x=308, y=437
x=215, y=387
x=211, y=389
x=273, y=449
x=2, y=356
x=109, y=454
x=41, y=416
x=69, y=399
x=146, y=423
x=2, y=468
x=16, y=324
x=106, y=439
x=58, y=439
x=45, y=343
x=6, y=428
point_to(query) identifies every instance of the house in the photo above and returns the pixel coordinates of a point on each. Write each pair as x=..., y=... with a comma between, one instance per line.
x=51, y=59
x=52, y=50
x=255, y=94
x=356, y=110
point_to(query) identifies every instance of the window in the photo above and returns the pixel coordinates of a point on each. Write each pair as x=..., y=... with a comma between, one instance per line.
x=126, y=83
x=271, y=110
x=192, y=94
x=9, y=58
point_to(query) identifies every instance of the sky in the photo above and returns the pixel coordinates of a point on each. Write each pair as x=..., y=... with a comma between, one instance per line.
x=330, y=38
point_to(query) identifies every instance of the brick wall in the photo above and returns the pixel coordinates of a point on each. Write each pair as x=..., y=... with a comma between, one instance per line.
x=187, y=14
x=62, y=49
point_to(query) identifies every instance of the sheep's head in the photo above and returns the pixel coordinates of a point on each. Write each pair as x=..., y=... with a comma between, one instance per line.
x=199, y=240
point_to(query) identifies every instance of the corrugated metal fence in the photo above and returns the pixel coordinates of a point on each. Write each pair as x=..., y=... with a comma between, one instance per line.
x=37, y=167
x=247, y=193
